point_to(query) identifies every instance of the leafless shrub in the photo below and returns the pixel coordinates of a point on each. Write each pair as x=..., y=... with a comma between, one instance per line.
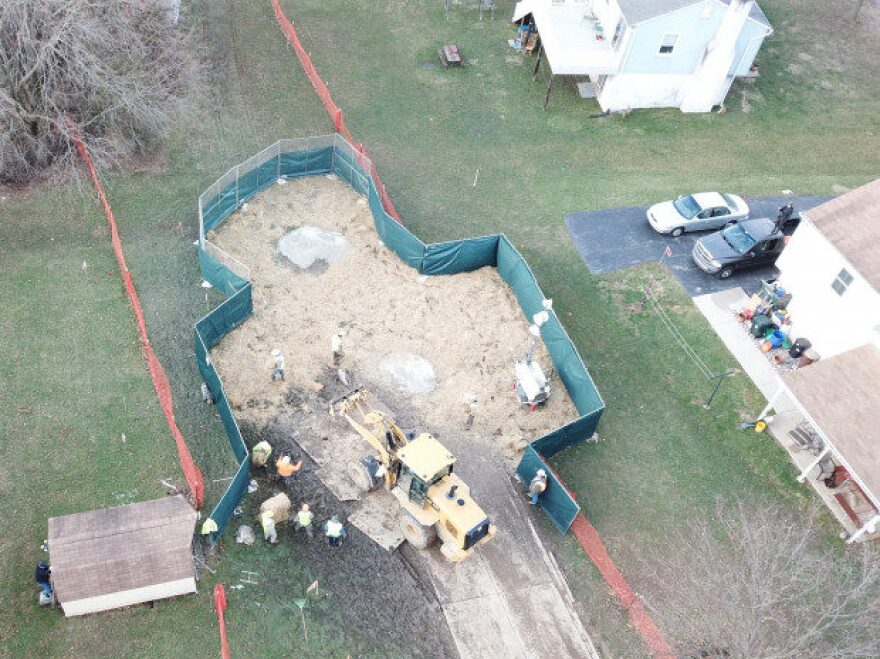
x=764, y=583
x=112, y=70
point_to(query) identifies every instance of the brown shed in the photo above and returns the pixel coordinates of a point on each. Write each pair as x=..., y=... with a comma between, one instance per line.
x=113, y=557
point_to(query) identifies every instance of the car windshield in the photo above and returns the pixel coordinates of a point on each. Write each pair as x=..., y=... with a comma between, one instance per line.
x=730, y=201
x=687, y=206
x=738, y=238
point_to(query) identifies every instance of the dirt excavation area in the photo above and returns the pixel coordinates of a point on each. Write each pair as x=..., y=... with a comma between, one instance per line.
x=437, y=353
x=446, y=344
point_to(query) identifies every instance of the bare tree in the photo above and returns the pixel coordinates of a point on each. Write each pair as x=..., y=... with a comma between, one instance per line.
x=765, y=583
x=112, y=71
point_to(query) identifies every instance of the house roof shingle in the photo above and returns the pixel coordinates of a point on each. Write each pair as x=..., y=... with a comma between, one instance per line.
x=114, y=549
x=841, y=394
x=639, y=11
x=851, y=222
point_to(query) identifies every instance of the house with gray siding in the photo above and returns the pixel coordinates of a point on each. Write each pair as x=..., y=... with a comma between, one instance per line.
x=648, y=53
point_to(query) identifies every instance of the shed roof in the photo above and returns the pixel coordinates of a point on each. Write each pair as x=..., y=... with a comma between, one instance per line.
x=639, y=11
x=851, y=222
x=113, y=549
x=841, y=395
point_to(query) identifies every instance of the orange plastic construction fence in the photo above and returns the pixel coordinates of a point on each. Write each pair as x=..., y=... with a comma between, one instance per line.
x=641, y=620
x=157, y=373
x=333, y=110
x=220, y=606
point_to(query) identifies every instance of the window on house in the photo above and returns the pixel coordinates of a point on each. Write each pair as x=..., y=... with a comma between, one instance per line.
x=618, y=33
x=841, y=282
x=668, y=44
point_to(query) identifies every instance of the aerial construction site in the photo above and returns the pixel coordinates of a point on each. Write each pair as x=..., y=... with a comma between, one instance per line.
x=389, y=373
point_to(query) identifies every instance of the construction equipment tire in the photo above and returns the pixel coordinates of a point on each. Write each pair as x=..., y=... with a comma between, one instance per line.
x=359, y=475
x=420, y=537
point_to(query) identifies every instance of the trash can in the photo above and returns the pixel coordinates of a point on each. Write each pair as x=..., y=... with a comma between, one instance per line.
x=808, y=358
x=760, y=324
x=799, y=347
x=776, y=339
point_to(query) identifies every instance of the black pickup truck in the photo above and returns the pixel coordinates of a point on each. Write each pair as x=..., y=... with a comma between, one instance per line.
x=749, y=244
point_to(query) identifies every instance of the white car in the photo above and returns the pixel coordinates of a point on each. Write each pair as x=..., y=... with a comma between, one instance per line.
x=697, y=212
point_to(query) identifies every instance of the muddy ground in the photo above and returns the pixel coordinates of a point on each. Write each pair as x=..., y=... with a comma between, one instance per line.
x=379, y=595
x=467, y=328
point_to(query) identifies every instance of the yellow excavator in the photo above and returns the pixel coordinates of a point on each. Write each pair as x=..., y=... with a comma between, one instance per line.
x=417, y=470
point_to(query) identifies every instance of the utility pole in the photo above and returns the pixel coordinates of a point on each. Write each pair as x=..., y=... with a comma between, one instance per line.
x=718, y=380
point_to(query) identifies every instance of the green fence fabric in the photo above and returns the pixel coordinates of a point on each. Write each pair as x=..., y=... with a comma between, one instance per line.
x=225, y=317
x=435, y=259
x=219, y=208
x=306, y=163
x=556, y=501
x=460, y=255
x=571, y=433
x=219, y=276
x=569, y=366
x=518, y=275
x=397, y=237
x=349, y=165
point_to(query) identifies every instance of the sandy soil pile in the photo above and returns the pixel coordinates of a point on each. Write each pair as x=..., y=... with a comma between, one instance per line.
x=468, y=326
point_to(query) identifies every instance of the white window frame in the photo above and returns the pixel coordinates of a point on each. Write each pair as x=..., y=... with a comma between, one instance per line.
x=677, y=36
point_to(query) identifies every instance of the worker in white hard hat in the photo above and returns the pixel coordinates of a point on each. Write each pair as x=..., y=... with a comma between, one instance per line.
x=278, y=358
x=336, y=348
x=286, y=468
x=537, y=486
x=267, y=521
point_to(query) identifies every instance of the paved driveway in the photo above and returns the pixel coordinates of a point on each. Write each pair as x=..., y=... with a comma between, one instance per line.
x=617, y=238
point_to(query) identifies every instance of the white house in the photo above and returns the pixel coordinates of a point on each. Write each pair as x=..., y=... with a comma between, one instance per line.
x=648, y=53
x=831, y=267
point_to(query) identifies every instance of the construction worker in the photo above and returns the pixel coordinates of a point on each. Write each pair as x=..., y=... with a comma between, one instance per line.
x=260, y=453
x=43, y=576
x=336, y=348
x=537, y=486
x=267, y=521
x=286, y=468
x=303, y=520
x=278, y=371
x=335, y=531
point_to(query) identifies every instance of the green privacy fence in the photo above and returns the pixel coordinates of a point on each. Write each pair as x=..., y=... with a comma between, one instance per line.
x=332, y=153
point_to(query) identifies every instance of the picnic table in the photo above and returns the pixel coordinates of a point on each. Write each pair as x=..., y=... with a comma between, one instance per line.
x=450, y=55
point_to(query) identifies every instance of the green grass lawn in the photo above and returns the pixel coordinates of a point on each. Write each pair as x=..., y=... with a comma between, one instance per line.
x=73, y=380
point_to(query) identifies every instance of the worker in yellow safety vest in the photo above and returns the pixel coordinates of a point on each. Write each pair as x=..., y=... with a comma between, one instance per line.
x=303, y=520
x=267, y=521
x=334, y=531
x=260, y=453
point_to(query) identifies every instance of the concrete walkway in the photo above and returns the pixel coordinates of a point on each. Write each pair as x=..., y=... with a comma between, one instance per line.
x=720, y=310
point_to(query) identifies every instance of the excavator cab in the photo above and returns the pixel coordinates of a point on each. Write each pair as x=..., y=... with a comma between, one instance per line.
x=424, y=462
